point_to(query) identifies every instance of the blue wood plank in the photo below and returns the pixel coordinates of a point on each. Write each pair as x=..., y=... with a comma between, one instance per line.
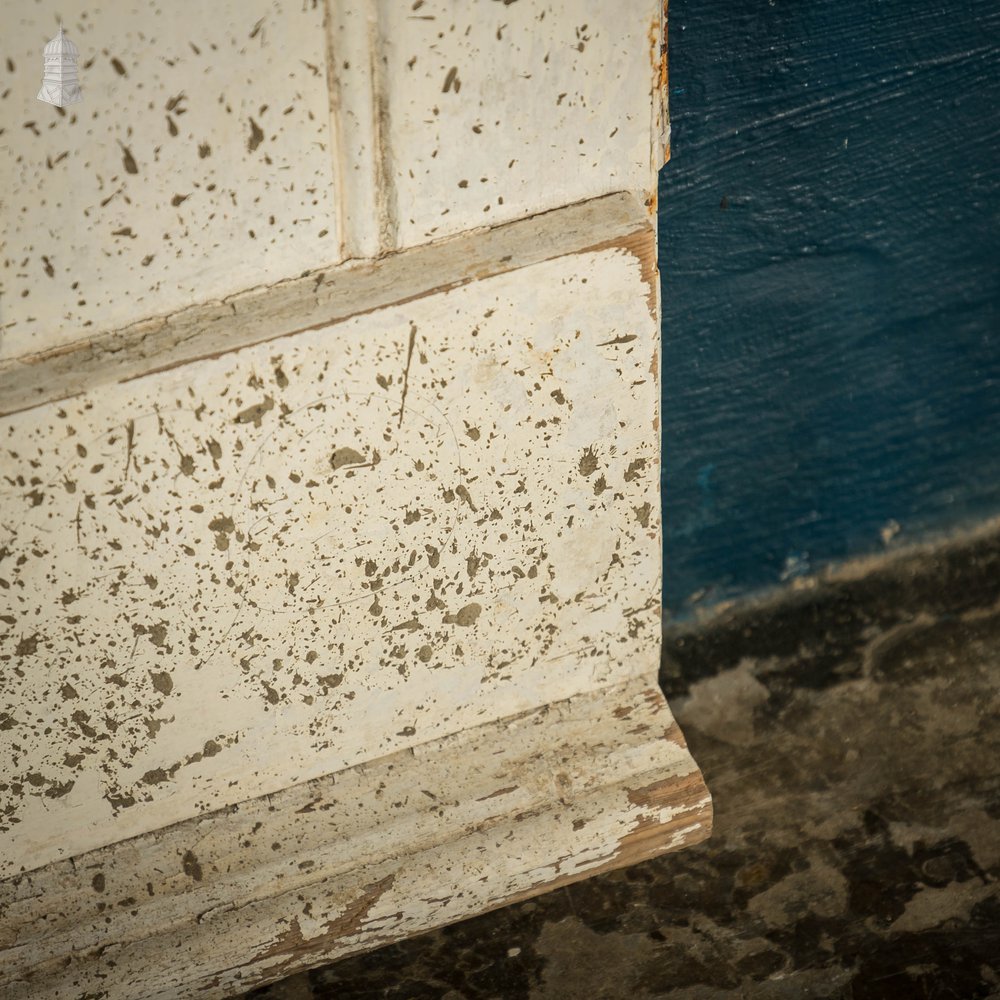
x=830, y=259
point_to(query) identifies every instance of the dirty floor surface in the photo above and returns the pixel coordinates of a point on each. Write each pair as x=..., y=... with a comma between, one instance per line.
x=850, y=738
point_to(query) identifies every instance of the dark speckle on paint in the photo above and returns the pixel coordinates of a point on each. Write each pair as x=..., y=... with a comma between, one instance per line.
x=118, y=67
x=642, y=514
x=191, y=866
x=162, y=682
x=634, y=468
x=256, y=136
x=158, y=634
x=254, y=414
x=58, y=789
x=466, y=616
x=128, y=160
x=27, y=647
x=346, y=456
x=222, y=523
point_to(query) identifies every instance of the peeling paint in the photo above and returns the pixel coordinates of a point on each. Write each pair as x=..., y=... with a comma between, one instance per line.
x=288, y=880
x=248, y=556
x=320, y=542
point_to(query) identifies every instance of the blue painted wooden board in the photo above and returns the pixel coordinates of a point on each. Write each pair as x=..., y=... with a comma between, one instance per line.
x=830, y=259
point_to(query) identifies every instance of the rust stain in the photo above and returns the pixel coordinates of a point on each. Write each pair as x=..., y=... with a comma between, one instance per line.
x=661, y=29
x=658, y=46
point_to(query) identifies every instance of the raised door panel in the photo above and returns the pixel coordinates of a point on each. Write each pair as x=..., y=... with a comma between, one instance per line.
x=243, y=573
x=198, y=164
x=497, y=111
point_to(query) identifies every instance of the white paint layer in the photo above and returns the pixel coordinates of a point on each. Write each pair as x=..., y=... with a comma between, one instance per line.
x=329, y=485
x=497, y=111
x=247, y=572
x=232, y=145
x=199, y=165
x=219, y=905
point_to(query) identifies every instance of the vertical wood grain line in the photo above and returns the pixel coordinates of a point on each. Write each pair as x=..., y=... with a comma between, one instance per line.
x=385, y=181
x=349, y=28
x=337, y=150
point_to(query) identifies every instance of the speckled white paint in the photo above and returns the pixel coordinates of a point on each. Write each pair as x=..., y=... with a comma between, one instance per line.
x=199, y=163
x=216, y=906
x=230, y=145
x=330, y=607
x=501, y=110
x=247, y=572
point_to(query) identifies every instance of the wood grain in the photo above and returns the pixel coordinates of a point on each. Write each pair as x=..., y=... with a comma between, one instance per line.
x=317, y=297
x=370, y=854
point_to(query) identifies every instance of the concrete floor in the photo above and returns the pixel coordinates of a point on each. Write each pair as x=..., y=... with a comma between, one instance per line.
x=850, y=737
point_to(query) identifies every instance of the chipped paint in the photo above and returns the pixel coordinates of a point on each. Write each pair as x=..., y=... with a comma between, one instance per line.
x=215, y=137
x=329, y=526
x=297, y=878
x=233, y=534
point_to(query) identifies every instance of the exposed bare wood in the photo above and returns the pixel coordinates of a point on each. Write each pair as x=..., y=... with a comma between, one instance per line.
x=314, y=299
x=371, y=854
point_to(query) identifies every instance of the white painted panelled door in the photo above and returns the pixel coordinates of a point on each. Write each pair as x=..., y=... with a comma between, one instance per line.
x=330, y=549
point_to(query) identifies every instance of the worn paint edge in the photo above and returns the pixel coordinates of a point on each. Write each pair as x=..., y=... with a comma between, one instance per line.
x=315, y=298
x=387, y=200
x=662, y=92
x=651, y=792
